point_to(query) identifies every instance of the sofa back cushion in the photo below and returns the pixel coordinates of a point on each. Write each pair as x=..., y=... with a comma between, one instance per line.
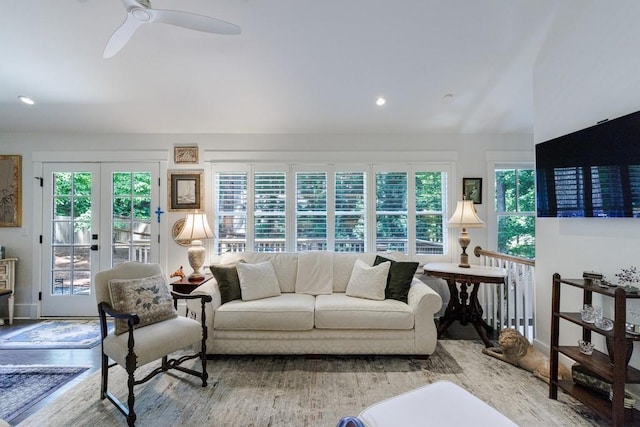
x=315, y=273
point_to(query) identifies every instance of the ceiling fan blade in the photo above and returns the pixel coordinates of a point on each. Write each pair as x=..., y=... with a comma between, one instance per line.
x=121, y=36
x=194, y=21
x=132, y=4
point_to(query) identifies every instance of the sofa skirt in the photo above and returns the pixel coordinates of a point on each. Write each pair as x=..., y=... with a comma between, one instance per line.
x=316, y=341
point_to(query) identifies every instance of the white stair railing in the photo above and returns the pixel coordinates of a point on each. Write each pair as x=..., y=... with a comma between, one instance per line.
x=510, y=306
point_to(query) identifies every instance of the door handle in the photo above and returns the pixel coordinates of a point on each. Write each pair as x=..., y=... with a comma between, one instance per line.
x=94, y=247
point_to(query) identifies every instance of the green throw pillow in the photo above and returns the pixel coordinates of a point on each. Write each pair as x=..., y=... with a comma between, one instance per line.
x=228, y=282
x=399, y=279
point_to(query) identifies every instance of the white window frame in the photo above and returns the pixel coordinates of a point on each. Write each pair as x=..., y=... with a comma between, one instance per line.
x=502, y=160
x=253, y=161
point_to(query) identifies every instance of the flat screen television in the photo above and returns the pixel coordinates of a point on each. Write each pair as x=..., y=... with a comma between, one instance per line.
x=594, y=172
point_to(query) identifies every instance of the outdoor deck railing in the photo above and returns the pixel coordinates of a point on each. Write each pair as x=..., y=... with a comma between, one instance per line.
x=513, y=305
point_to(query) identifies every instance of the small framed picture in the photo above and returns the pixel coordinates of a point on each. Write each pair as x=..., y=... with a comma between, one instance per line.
x=10, y=191
x=185, y=154
x=472, y=189
x=185, y=189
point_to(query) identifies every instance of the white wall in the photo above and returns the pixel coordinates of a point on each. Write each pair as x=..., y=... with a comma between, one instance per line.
x=472, y=152
x=587, y=71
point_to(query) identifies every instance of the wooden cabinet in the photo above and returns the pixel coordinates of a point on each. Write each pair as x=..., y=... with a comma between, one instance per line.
x=8, y=281
x=617, y=373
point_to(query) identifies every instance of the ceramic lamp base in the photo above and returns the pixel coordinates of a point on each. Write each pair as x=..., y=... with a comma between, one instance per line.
x=195, y=255
x=464, y=241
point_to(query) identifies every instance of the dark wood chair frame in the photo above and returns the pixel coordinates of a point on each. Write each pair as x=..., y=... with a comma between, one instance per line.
x=132, y=319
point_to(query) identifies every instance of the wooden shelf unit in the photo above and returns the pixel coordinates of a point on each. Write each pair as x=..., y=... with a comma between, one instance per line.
x=618, y=373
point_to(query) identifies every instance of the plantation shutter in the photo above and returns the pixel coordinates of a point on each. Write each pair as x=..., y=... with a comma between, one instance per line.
x=270, y=211
x=349, y=211
x=391, y=211
x=311, y=211
x=231, y=211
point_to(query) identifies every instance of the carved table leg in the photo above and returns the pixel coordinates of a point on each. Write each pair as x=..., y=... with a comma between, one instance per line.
x=452, y=313
x=476, y=319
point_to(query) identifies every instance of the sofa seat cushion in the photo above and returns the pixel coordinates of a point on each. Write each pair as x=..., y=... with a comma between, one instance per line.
x=287, y=312
x=339, y=311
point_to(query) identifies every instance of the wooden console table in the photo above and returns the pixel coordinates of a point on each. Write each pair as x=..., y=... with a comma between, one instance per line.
x=185, y=286
x=459, y=309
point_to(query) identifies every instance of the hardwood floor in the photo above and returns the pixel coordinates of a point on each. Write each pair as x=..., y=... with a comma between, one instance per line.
x=91, y=358
x=59, y=357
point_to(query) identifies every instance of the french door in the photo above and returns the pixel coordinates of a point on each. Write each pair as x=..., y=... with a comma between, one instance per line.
x=96, y=215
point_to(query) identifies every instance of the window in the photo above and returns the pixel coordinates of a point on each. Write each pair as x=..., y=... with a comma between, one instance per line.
x=231, y=211
x=515, y=211
x=300, y=208
x=430, y=209
x=270, y=211
x=391, y=211
x=311, y=211
x=350, y=203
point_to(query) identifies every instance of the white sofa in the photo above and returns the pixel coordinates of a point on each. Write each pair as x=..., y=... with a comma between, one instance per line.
x=313, y=314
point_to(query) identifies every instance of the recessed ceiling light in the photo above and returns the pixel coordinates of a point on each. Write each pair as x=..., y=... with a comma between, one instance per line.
x=380, y=101
x=26, y=100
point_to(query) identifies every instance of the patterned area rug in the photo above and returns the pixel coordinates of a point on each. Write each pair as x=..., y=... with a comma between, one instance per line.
x=297, y=391
x=53, y=334
x=23, y=386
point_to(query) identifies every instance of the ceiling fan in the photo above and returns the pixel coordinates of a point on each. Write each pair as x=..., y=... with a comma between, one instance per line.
x=140, y=12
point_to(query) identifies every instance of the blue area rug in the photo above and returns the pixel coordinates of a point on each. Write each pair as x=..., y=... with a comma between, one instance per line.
x=53, y=334
x=21, y=387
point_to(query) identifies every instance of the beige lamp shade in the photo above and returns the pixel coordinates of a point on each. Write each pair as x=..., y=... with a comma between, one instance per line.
x=196, y=228
x=465, y=217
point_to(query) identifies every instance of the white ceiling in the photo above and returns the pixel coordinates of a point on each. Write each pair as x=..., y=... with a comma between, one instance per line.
x=299, y=66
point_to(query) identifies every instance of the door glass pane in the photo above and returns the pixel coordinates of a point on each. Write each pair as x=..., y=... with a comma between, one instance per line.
x=71, y=262
x=131, y=222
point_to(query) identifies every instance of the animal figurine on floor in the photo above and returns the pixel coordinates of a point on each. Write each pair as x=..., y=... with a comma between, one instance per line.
x=178, y=273
x=516, y=350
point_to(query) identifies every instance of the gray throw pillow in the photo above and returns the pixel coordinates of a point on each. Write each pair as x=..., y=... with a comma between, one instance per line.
x=148, y=297
x=228, y=282
x=399, y=280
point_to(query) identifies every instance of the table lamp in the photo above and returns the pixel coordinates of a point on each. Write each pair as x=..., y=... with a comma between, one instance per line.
x=196, y=228
x=465, y=217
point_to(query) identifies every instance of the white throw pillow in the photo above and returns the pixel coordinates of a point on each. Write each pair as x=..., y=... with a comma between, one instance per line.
x=257, y=281
x=368, y=282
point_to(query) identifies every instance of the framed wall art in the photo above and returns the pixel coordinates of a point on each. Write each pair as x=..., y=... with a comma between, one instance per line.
x=472, y=189
x=10, y=191
x=185, y=154
x=185, y=190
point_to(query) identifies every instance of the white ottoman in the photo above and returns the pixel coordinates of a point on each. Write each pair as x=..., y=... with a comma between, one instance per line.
x=441, y=404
